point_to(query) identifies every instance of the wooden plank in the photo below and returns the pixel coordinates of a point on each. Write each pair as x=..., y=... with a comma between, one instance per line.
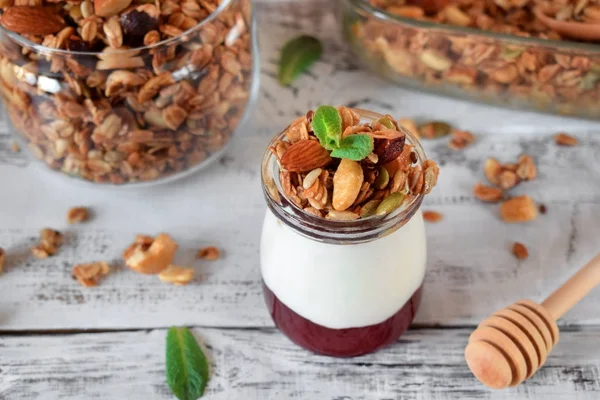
x=471, y=271
x=263, y=364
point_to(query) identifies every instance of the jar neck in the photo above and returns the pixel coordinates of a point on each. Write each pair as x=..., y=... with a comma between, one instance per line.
x=329, y=231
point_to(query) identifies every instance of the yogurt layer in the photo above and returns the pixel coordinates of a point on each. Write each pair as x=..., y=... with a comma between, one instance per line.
x=343, y=286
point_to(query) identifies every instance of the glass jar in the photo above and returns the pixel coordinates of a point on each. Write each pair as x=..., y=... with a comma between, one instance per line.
x=135, y=115
x=341, y=288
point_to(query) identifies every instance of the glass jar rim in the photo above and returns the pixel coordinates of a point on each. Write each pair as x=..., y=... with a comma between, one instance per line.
x=332, y=231
x=41, y=49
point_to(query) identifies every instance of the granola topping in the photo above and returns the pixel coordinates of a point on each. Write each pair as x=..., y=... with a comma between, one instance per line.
x=122, y=114
x=337, y=168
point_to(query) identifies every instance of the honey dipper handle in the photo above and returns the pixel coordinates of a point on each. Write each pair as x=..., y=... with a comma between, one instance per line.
x=573, y=290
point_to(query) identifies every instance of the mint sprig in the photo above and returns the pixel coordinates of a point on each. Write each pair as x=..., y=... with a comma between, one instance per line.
x=186, y=365
x=327, y=126
x=354, y=147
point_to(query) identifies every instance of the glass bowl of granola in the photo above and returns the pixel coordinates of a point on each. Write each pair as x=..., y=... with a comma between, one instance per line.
x=495, y=52
x=343, y=251
x=122, y=92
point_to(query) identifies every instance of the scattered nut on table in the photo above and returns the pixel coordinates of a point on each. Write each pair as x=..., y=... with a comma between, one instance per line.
x=209, y=253
x=76, y=215
x=89, y=274
x=2, y=259
x=177, y=275
x=149, y=255
x=520, y=251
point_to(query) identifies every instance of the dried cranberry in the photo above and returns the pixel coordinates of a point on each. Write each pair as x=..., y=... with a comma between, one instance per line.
x=135, y=25
x=388, y=149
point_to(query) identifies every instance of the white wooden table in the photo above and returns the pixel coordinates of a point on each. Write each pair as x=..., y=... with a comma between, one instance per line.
x=59, y=340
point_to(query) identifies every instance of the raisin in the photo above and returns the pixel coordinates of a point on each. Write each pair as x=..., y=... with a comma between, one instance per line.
x=135, y=25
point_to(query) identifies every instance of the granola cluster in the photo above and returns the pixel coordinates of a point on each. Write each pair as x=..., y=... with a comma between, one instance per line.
x=154, y=256
x=482, y=68
x=343, y=189
x=106, y=110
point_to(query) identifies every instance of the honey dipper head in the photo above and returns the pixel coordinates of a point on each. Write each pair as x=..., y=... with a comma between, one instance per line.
x=511, y=345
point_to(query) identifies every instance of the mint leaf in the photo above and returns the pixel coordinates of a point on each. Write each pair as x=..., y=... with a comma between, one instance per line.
x=327, y=125
x=354, y=147
x=186, y=365
x=297, y=56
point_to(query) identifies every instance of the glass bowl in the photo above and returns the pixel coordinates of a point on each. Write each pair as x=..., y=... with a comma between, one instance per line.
x=553, y=76
x=137, y=115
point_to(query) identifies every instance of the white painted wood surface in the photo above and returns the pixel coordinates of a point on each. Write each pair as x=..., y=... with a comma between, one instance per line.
x=471, y=272
x=255, y=364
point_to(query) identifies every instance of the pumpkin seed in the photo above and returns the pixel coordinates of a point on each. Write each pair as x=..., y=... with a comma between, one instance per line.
x=385, y=121
x=390, y=203
x=382, y=179
x=369, y=208
x=435, y=129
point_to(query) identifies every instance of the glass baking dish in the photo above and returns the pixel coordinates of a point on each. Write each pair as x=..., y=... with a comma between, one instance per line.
x=553, y=76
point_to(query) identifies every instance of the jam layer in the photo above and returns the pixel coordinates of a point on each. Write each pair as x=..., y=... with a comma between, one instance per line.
x=341, y=342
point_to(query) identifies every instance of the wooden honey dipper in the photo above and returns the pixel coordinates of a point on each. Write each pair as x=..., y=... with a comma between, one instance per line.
x=511, y=345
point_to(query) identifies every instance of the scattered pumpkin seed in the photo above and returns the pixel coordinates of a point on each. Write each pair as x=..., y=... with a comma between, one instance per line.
x=390, y=203
x=382, y=179
x=369, y=208
x=435, y=129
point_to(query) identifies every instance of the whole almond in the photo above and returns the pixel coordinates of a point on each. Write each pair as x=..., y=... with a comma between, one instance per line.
x=347, y=181
x=32, y=20
x=304, y=156
x=519, y=209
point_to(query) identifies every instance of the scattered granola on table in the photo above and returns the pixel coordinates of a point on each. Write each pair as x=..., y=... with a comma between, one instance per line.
x=520, y=251
x=89, y=274
x=2, y=259
x=103, y=107
x=177, y=275
x=50, y=241
x=209, y=253
x=519, y=209
x=149, y=255
x=76, y=215
x=542, y=74
x=335, y=167
x=432, y=216
x=564, y=139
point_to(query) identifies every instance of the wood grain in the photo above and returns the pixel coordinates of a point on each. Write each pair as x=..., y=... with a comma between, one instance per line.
x=263, y=364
